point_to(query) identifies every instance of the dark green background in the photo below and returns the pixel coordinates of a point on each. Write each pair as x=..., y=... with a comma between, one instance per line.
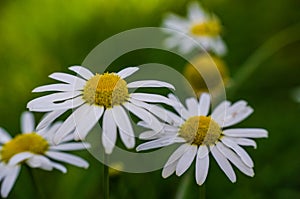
x=40, y=37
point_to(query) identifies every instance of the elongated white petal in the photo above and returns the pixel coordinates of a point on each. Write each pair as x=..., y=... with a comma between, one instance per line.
x=149, y=83
x=224, y=164
x=196, y=12
x=192, y=106
x=84, y=123
x=27, y=122
x=235, y=159
x=16, y=159
x=109, y=133
x=70, y=146
x=9, y=180
x=204, y=104
x=246, y=132
x=202, y=151
x=146, y=97
x=169, y=169
x=202, y=165
x=244, y=142
x=4, y=136
x=68, y=158
x=145, y=116
x=127, y=72
x=49, y=118
x=186, y=160
x=237, y=113
x=180, y=109
x=59, y=167
x=175, y=22
x=124, y=125
x=219, y=112
x=39, y=161
x=83, y=72
x=239, y=150
x=57, y=87
x=161, y=142
x=67, y=78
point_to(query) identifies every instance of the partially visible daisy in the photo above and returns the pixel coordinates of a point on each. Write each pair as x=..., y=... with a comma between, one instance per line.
x=34, y=148
x=201, y=134
x=201, y=26
x=96, y=95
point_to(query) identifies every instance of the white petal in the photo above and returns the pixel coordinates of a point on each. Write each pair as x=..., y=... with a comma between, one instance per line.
x=219, y=112
x=244, y=142
x=192, y=106
x=27, y=122
x=67, y=78
x=239, y=150
x=235, y=159
x=169, y=169
x=39, y=161
x=59, y=167
x=127, y=72
x=39, y=105
x=84, y=123
x=145, y=116
x=68, y=158
x=175, y=22
x=150, y=83
x=16, y=159
x=202, y=165
x=70, y=146
x=186, y=160
x=246, y=132
x=196, y=12
x=83, y=72
x=57, y=87
x=202, y=151
x=204, y=104
x=124, y=125
x=146, y=97
x=49, y=118
x=4, y=136
x=180, y=109
x=237, y=113
x=161, y=142
x=9, y=180
x=109, y=133
x=224, y=164
x=219, y=47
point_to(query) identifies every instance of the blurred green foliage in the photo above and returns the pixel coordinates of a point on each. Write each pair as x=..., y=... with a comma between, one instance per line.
x=40, y=37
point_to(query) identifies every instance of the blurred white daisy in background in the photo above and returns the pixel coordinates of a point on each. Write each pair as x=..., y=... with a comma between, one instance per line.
x=202, y=27
x=34, y=148
x=96, y=95
x=201, y=134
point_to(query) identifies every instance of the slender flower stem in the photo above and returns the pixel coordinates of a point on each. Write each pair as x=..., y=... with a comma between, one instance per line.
x=202, y=191
x=106, y=177
x=265, y=51
x=183, y=186
x=38, y=191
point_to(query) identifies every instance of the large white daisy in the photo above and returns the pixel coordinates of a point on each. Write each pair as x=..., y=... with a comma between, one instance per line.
x=201, y=134
x=94, y=95
x=201, y=26
x=34, y=148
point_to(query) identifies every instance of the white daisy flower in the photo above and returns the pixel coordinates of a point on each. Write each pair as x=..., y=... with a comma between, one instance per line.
x=34, y=148
x=204, y=28
x=94, y=95
x=201, y=134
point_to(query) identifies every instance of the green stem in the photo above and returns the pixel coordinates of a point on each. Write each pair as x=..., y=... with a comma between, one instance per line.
x=202, y=191
x=265, y=51
x=38, y=191
x=183, y=186
x=106, y=177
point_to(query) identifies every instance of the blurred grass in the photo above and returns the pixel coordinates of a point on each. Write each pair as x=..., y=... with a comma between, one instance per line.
x=40, y=37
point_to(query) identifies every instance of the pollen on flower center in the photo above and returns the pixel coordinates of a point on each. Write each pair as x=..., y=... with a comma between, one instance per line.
x=106, y=90
x=200, y=130
x=209, y=28
x=30, y=142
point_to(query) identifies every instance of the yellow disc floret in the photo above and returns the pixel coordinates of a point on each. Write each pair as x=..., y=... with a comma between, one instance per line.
x=30, y=142
x=200, y=130
x=106, y=90
x=208, y=28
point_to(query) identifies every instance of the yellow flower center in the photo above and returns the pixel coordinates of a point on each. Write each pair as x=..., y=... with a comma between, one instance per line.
x=106, y=90
x=30, y=142
x=200, y=130
x=208, y=28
